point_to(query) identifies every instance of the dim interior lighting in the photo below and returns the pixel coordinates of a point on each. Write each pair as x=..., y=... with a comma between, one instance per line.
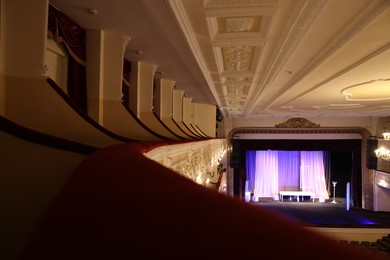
x=383, y=153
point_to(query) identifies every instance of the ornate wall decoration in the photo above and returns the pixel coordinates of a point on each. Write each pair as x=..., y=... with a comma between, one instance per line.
x=382, y=179
x=297, y=122
x=197, y=161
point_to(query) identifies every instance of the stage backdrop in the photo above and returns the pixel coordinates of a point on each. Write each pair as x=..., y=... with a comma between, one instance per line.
x=271, y=171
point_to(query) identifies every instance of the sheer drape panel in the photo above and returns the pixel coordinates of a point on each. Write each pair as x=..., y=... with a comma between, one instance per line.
x=288, y=166
x=327, y=167
x=266, y=178
x=251, y=169
x=313, y=173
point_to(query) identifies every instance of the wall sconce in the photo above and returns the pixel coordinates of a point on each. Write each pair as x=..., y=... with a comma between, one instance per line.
x=383, y=153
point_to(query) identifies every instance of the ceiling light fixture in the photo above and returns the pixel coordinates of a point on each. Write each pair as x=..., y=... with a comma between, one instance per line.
x=386, y=135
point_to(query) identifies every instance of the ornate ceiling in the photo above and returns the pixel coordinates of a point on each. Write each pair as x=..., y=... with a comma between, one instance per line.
x=260, y=58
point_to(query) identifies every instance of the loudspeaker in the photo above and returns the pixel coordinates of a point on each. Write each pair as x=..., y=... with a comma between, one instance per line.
x=235, y=154
x=372, y=160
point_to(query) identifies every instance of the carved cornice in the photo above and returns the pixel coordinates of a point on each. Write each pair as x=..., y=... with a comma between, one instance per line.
x=295, y=130
x=297, y=122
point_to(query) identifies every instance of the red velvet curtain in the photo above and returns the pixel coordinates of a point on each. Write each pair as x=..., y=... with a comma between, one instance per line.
x=63, y=30
x=125, y=82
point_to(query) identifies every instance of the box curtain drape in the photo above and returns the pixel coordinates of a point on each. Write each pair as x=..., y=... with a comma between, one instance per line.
x=126, y=82
x=73, y=37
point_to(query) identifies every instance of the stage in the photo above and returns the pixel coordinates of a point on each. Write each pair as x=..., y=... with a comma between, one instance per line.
x=355, y=224
x=326, y=214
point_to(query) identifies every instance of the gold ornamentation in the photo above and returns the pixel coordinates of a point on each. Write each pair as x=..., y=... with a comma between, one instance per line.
x=297, y=122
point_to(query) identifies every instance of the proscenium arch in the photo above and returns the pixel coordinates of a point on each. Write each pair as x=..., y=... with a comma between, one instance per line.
x=303, y=133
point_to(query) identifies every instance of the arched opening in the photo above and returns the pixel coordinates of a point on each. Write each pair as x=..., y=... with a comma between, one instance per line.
x=347, y=144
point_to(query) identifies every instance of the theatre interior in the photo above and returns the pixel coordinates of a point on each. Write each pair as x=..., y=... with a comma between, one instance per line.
x=195, y=129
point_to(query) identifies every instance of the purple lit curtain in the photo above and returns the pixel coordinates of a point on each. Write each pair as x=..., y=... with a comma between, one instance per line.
x=251, y=170
x=288, y=163
x=64, y=30
x=268, y=172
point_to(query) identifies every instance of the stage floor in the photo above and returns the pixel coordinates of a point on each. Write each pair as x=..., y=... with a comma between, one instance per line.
x=326, y=214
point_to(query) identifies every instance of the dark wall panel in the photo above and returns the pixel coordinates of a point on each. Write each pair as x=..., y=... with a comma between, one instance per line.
x=372, y=160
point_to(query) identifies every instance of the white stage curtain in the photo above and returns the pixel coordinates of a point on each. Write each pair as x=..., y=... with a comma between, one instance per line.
x=268, y=172
x=266, y=177
x=313, y=173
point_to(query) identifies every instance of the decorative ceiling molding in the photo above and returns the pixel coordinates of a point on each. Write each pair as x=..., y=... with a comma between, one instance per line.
x=237, y=58
x=238, y=81
x=298, y=29
x=239, y=24
x=236, y=25
x=378, y=90
x=297, y=122
x=334, y=110
x=237, y=36
x=338, y=107
x=371, y=12
x=237, y=39
x=179, y=12
x=337, y=75
x=219, y=3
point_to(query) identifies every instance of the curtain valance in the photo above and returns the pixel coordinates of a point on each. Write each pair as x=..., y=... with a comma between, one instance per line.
x=62, y=29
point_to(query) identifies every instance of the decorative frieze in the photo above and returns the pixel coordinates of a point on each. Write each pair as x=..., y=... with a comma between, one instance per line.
x=297, y=122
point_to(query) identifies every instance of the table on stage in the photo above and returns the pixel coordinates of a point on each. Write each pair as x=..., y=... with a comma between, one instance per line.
x=296, y=193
